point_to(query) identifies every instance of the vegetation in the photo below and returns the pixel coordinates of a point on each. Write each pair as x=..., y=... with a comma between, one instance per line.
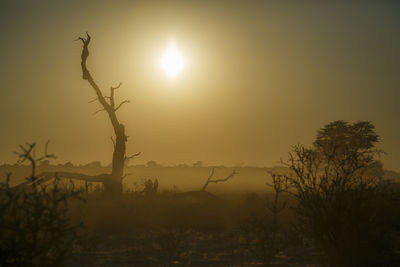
x=344, y=205
x=35, y=227
x=343, y=211
x=265, y=234
x=330, y=205
x=112, y=183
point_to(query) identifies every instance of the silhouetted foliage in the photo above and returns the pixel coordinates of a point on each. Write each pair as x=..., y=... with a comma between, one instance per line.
x=264, y=234
x=34, y=226
x=150, y=187
x=344, y=205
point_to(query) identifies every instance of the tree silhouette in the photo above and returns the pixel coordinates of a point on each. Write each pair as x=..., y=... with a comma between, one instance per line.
x=112, y=182
x=211, y=180
x=344, y=204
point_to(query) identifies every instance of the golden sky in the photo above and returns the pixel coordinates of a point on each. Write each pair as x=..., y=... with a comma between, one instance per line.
x=259, y=76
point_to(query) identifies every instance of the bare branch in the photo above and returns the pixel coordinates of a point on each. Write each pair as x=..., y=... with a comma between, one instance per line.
x=120, y=105
x=100, y=110
x=209, y=179
x=211, y=174
x=132, y=156
x=88, y=77
x=85, y=53
x=224, y=179
x=115, y=88
x=86, y=74
x=46, y=154
x=112, y=89
x=93, y=100
x=27, y=154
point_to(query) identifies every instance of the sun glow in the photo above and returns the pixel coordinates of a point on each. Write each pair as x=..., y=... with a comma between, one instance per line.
x=172, y=61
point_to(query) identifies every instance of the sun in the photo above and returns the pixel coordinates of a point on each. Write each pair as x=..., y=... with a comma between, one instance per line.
x=172, y=61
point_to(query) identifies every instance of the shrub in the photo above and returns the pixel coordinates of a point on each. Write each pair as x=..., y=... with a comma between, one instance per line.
x=265, y=233
x=34, y=226
x=344, y=205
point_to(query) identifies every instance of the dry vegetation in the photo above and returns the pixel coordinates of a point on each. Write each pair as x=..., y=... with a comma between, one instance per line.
x=329, y=205
x=152, y=227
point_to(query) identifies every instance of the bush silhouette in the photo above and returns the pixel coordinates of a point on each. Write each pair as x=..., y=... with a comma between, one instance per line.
x=344, y=205
x=34, y=226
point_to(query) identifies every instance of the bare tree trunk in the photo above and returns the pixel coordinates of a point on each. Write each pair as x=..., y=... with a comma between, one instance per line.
x=112, y=182
x=112, y=185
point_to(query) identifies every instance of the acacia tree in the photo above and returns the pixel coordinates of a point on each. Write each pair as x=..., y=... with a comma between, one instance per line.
x=113, y=181
x=343, y=202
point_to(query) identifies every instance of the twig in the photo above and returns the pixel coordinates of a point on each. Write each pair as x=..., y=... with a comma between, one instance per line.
x=209, y=179
x=132, y=156
x=120, y=105
x=98, y=111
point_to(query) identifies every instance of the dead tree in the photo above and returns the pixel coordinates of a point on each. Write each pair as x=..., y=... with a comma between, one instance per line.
x=210, y=179
x=112, y=182
x=27, y=154
x=202, y=196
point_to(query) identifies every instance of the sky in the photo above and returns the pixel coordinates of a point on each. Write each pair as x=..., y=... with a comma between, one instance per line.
x=259, y=77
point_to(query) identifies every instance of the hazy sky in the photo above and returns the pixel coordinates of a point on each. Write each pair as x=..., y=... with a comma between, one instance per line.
x=259, y=76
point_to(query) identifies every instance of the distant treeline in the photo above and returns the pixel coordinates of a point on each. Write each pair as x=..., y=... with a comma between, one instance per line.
x=181, y=177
